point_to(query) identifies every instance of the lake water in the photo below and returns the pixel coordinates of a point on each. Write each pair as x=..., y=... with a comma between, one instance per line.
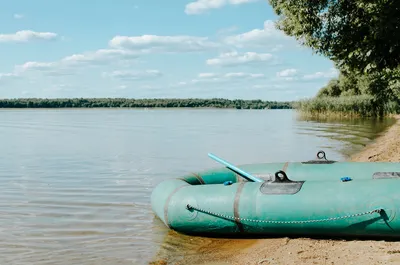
x=75, y=184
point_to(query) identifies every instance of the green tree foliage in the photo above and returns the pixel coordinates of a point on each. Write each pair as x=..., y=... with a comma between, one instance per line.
x=346, y=85
x=362, y=38
x=375, y=94
x=384, y=85
x=359, y=35
x=332, y=89
x=141, y=103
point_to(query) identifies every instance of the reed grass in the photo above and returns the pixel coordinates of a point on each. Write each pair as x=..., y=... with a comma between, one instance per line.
x=345, y=106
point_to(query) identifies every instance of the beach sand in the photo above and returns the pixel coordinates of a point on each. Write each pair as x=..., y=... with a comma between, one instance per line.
x=384, y=148
x=300, y=250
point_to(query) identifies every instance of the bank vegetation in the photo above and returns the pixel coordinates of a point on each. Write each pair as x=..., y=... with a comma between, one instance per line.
x=362, y=38
x=142, y=103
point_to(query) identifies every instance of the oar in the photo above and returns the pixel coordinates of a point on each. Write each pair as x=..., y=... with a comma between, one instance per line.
x=235, y=169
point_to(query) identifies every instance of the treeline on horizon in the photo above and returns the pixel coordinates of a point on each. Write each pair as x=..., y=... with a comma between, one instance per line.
x=142, y=103
x=362, y=39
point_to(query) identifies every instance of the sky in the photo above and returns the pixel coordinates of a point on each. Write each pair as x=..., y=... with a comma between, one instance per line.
x=153, y=49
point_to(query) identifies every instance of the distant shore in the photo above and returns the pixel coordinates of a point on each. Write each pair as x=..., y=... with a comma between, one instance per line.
x=143, y=103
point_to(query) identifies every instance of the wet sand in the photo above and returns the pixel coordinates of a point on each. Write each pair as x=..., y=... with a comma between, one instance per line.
x=384, y=148
x=300, y=250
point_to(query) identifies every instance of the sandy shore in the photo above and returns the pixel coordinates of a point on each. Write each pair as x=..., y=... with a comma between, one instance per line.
x=385, y=148
x=302, y=250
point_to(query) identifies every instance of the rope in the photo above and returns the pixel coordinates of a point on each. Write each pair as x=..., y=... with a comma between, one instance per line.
x=190, y=207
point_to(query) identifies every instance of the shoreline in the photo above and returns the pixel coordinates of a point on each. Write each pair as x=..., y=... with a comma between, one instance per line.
x=385, y=148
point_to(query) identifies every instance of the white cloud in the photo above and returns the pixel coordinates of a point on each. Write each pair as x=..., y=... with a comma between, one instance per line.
x=132, y=75
x=243, y=75
x=18, y=16
x=5, y=76
x=268, y=36
x=27, y=35
x=48, y=68
x=320, y=75
x=287, y=73
x=216, y=77
x=201, y=6
x=154, y=43
x=99, y=56
x=35, y=66
x=69, y=64
x=235, y=59
x=294, y=75
x=207, y=75
x=230, y=75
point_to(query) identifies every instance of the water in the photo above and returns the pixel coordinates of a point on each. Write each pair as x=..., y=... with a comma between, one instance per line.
x=75, y=184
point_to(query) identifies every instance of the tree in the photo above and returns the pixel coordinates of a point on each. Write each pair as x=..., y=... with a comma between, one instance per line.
x=332, y=89
x=359, y=35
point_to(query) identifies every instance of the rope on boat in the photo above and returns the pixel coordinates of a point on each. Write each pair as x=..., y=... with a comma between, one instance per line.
x=190, y=207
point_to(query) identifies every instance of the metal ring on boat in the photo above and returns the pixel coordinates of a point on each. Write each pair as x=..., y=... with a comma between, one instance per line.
x=321, y=153
x=191, y=214
x=281, y=178
x=390, y=209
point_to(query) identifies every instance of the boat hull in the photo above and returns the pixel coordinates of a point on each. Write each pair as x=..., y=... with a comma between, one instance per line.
x=203, y=204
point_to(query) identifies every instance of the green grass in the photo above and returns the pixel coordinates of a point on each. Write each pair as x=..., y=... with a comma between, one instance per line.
x=350, y=106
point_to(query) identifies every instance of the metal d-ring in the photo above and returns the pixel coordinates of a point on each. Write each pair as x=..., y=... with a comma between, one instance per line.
x=321, y=159
x=321, y=153
x=280, y=176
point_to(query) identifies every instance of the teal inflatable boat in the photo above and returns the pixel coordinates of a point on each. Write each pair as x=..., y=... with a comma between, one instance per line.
x=317, y=197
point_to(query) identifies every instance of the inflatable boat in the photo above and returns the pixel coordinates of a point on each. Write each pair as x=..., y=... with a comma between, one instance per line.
x=318, y=197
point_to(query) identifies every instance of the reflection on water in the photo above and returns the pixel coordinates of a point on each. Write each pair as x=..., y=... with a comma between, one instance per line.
x=350, y=134
x=76, y=184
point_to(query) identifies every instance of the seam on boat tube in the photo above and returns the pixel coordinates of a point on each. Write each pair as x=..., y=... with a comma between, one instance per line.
x=199, y=178
x=184, y=180
x=285, y=167
x=238, y=178
x=167, y=204
x=236, y=206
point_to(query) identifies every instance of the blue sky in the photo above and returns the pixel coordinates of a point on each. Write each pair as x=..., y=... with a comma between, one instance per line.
x=148, y=48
